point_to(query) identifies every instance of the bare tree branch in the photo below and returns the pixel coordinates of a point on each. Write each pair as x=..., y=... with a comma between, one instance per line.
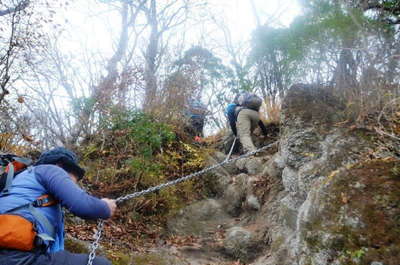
x=21, y=6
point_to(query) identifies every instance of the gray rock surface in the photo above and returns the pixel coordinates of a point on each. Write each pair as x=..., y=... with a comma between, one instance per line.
x=241, y=244
x=227, y=169
x=252, y=203
x=233, y=198
x=274, y=167
x=251, y=165
x=198, y=218
x=311, y=150
x=254, y=165
x=317, y=202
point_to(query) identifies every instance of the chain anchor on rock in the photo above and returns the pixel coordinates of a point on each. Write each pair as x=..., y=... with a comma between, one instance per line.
x=100, y=224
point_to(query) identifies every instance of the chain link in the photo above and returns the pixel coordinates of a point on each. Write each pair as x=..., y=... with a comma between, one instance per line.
x=100, y=225
x=96, y=242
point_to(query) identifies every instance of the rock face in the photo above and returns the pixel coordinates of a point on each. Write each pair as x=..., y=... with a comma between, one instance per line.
x=352, y=216
x=328, y=214
x=320, y=203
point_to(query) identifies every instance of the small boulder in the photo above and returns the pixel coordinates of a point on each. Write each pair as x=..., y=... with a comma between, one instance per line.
x=241, y=164
x=240, y=243
x=234, y=195
x=252, y=203
x=274, y=167
x=227, y=169
x=252, y=165
x=219, y=183
x=198, y=218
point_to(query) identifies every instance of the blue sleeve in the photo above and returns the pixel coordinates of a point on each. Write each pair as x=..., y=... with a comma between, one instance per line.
x=60, y=185
x=232, y=123
x=230, y=112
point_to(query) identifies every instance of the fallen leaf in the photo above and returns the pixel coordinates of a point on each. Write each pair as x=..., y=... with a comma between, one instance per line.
x=345, y=199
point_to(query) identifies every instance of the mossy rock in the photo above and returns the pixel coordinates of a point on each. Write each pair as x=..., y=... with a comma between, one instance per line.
x=119, y=258
x=149, y=259
x=156, y=259
x=323, y=108
x=76, y=246
x=355, y=215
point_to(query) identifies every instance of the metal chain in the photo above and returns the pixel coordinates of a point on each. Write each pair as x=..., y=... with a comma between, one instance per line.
x=96, y=242
x=100, y=225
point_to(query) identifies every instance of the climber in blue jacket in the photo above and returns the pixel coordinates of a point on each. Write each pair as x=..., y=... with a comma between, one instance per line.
x=33, y=202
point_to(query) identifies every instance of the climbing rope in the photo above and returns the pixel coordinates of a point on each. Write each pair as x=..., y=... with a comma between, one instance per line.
x=100, y=224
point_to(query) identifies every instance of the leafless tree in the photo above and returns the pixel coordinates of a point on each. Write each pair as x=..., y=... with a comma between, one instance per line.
x=19, y=6
x=20, y=38
x=10, y=46
x=161, y=18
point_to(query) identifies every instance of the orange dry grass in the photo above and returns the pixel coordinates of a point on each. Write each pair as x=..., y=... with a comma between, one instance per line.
x=171, y=102
x=8, y=144
x=271, y=110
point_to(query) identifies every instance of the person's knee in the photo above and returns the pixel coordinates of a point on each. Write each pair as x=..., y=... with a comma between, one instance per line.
x=66, y=257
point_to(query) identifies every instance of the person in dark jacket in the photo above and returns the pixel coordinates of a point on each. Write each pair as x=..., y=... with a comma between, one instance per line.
x=243, y=121
x=54, y=175
x=195, y=113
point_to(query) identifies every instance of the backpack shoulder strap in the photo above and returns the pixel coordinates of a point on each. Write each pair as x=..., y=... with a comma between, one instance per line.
x=20, y=163
x=9, y=179
x=41, y=218
x=237, y=110
x=51, y=231
x=42, y=201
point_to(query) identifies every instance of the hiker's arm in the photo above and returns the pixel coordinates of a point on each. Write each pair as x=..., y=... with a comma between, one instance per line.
x=60, y=185
x=232, y=123
x=263, y=128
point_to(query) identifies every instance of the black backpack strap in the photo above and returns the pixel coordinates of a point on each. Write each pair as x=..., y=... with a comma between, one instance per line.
x=44, y=201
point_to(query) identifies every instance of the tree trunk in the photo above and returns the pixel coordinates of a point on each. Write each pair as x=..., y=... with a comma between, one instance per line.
x=150, y=56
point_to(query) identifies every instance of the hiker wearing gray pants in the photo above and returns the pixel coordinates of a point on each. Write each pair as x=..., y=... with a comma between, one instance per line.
x=247, y=121
x=244, y=118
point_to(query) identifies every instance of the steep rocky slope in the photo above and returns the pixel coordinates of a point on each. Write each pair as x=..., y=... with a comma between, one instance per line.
x=328, y=195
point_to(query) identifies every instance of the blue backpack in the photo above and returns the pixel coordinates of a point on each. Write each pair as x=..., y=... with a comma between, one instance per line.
x=231, y=113
x=11, y=166
x=22, y=229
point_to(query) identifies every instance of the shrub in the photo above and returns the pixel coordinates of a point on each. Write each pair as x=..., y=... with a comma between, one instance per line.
x=138, y=152
x=148, y=135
